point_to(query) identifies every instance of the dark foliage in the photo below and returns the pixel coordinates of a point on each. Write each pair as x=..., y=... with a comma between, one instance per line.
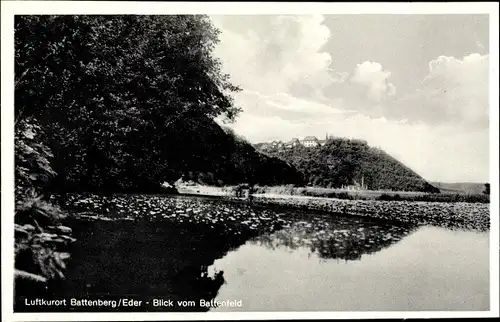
x=40, y=240
x=129, y=102
x=32, y=159
x=486, y=189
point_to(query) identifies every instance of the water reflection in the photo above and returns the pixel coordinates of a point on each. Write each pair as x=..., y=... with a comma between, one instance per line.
x=337, y=237
x=431, y=269
x=145, y=261
x=200, y=249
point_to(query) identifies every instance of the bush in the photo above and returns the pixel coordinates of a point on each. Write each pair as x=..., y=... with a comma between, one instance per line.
x=31, y=209
x=32, y=158
x=40, y=240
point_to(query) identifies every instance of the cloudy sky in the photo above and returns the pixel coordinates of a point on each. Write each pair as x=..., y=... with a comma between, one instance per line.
x=414, y=85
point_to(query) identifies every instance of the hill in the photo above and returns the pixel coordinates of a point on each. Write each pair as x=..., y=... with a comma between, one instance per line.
x=343, y=162
x=460, y=187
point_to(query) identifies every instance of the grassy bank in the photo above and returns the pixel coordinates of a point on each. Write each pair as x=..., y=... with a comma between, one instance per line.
x=372, y=195
x=290, y=190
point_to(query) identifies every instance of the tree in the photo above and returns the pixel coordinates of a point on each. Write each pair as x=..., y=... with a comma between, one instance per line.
x=113, y=93
x=129, y=102
x=486, y=189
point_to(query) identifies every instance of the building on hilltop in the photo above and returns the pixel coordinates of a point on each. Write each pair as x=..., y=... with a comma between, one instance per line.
x=273, y=145
x=308, y=142
x=293, y=143
x=265, y=146
x=311, y=141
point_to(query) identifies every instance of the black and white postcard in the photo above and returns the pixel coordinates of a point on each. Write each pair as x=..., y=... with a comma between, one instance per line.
x=260, y=160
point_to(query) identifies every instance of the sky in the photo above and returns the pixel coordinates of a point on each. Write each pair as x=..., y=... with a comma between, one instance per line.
x=414, y=85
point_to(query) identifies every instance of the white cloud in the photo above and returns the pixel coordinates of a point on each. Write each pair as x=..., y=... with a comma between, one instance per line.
x=372, y=75
x=286, y=107
x=454, y=91
x=277, y=52
x=463, y=85
x=288, y=103
x=391, y=89
x=338, y=77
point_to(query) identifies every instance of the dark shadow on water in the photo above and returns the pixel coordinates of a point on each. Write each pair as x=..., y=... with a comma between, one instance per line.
x=141, y=260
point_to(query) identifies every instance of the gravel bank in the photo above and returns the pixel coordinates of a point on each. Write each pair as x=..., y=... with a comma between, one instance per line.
x=465, y=215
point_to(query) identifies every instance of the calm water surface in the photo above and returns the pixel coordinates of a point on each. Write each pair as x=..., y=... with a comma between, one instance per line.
x=271, y=259
x=431, y=269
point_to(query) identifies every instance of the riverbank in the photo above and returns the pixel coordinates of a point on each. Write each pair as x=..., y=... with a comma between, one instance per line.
x=459, y=214
x=411, y=196
x=448, y=214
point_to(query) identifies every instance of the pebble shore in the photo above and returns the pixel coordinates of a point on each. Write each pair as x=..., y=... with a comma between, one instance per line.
x=474, y=216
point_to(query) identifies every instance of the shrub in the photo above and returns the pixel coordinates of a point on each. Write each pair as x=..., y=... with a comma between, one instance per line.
x=32, y=158
x=40, y=240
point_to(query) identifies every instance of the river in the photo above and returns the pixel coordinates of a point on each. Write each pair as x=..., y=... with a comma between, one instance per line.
x=200, y=250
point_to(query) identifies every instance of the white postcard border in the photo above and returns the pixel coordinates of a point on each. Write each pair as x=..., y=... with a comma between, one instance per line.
x=11, y=8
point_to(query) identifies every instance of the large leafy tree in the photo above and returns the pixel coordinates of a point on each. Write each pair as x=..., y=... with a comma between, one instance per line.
x=114, y=93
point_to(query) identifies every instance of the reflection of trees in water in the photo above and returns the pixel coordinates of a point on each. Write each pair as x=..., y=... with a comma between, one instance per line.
x=166, y=250
x=145, y=260
x=163, y=252
x=337, y=238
